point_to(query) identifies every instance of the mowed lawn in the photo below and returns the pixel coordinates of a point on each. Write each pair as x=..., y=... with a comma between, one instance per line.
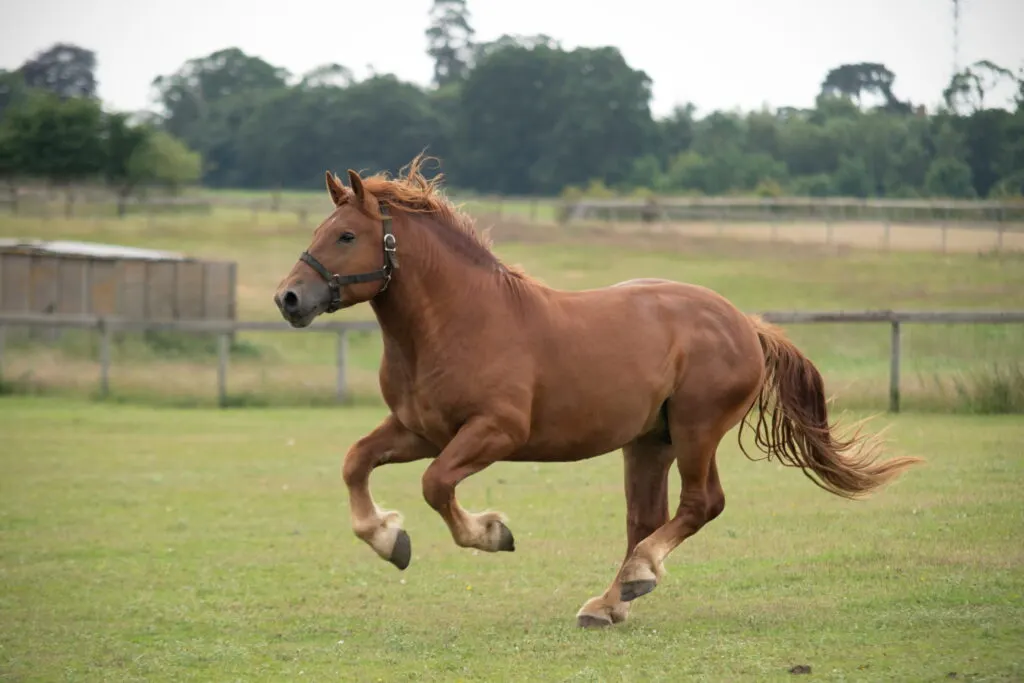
x=145, y=543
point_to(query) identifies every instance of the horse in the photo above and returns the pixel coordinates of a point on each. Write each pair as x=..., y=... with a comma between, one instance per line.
x=482, y=364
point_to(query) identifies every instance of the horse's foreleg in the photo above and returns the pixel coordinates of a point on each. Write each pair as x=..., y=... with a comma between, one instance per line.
x=646, y=465
x=479, y=443
x=390, y=442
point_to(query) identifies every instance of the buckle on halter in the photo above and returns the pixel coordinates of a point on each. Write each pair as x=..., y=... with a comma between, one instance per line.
x=389, y=242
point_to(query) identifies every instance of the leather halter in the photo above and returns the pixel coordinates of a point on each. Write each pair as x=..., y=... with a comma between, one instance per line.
x=335, y=282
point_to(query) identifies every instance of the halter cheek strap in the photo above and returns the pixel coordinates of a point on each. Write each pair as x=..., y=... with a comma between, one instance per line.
x=335, y=282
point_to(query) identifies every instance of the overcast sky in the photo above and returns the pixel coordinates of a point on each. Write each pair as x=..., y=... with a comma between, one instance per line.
x=715, y=53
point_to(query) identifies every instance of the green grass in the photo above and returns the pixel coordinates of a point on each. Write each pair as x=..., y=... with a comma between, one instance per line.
x=296, y=368
x=141, y=543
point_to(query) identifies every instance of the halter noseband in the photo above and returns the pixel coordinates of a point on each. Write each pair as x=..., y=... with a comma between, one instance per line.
x=335, y=282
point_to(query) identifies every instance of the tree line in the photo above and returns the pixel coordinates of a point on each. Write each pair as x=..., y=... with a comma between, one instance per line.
x=520, y=115
x=53, y=128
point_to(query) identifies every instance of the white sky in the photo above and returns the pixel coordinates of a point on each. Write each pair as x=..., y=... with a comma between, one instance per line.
x=719, y=54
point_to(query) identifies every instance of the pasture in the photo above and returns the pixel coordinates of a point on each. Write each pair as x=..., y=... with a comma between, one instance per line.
x=144, y=539
x=149, y=543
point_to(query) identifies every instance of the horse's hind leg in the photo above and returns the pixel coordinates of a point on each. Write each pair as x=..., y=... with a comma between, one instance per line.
x=646, y=464
x=382, y=530
x=701, y=499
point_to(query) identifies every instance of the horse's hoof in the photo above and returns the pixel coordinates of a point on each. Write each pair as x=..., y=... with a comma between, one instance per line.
x=631, y=590
x=591, y=621
x=506, y=541
x=401, y=554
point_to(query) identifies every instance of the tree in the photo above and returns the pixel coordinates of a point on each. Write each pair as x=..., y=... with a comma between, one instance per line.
x=449, y=41
x=332, y=75
x=10, y=163
x=675, y=132
x=164, y=160
x=122, y=142
x=59, y=140
x=65, y=70
x=139, y=155
x=189, y=95
x=535, y=118
x=327, y=75
x=852, y=178
x=603, y=121
x=856, y=80
x=948, y=177
x=12, y=89
x=377, y=124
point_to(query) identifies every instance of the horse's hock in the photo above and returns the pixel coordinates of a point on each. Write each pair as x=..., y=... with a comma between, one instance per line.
x=83, y=278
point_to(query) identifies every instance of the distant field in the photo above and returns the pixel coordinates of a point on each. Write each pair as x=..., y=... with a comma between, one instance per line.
x=153, y=544
x=296, y=367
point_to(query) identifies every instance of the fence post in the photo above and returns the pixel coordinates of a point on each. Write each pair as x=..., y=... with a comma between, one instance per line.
x=223, y=347
x=104, y=330
x=341, y=350
x=894, y=368
x=3, y=339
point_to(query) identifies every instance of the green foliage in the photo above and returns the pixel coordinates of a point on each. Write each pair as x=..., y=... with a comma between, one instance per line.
x=519, y=115
x=450, y=41
x=164, y=160
x=949, y=177
x=52, y=129
x=55, y=139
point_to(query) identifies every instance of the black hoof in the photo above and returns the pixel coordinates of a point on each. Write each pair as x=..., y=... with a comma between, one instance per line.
x=401, y=554
x=589, y=621
x=631, y=590
x=506, y=541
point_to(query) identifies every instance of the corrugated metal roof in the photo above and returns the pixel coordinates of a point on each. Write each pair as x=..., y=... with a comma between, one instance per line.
x=94, y=249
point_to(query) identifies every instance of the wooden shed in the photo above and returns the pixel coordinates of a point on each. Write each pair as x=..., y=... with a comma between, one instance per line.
x=86, y=278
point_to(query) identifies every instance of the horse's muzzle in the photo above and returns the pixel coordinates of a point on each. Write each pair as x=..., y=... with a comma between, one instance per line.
x=297, y=306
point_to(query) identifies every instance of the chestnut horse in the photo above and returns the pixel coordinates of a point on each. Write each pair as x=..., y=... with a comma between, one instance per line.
x=483, y=364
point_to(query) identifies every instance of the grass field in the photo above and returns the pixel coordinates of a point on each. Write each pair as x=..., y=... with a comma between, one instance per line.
x=143, y=543
x=296, y=367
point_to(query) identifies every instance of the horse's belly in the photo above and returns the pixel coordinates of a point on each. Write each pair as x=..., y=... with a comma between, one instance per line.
x=588, y=428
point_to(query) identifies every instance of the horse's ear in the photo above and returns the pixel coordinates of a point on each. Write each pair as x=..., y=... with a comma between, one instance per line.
x=356, y=183
x=335, y=189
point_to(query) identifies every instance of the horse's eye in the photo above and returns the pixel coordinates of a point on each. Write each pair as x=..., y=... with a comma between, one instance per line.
x=346, y=237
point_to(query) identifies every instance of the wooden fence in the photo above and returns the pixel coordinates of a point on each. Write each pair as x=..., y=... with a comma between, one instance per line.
x=116, y=286
x=1008, y=212
x=225, y=329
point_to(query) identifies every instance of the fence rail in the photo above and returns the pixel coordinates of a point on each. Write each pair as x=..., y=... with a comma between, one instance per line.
x=937, y=209
x=224, y=329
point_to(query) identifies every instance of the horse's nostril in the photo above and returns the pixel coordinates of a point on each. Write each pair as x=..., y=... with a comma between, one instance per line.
x=291, y=300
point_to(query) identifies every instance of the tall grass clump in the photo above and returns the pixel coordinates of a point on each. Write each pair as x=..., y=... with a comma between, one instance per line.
x=994, y=391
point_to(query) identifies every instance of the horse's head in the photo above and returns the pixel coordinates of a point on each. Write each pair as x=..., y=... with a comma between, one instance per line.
x=350, y=259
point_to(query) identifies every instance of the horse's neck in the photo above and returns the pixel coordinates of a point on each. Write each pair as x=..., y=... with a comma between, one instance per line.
x=433, y=292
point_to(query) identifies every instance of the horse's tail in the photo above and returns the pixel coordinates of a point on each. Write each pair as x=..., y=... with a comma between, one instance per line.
x=793, y=426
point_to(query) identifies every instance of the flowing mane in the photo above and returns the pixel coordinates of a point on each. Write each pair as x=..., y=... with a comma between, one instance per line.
x=414, y=193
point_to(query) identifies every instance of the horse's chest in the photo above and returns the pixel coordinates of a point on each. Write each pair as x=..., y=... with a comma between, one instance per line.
x=428, y=414
x=435, y=422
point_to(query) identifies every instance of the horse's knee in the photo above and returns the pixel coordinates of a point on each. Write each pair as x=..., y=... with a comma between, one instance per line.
x=436, y=489
x=356, y=466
